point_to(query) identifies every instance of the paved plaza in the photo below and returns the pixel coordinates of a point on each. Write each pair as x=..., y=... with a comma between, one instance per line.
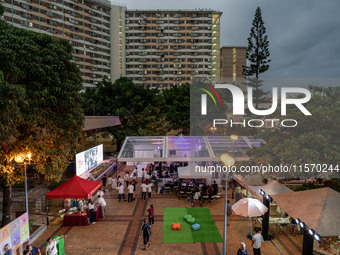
x=119, y=231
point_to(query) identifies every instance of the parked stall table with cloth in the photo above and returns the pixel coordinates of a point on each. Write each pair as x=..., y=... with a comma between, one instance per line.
x=80, y=219
x=75, y=219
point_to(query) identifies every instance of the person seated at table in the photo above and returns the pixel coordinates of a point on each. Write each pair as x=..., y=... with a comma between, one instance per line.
x=90, y=207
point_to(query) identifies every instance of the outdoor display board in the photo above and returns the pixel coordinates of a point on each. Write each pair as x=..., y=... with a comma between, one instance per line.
x=88, y=159
x=14, y=236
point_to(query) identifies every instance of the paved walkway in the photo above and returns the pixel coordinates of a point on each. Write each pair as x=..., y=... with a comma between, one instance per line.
x=119, y=231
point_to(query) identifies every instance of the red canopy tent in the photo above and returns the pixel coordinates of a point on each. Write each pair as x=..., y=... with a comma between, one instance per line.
x=75, y=187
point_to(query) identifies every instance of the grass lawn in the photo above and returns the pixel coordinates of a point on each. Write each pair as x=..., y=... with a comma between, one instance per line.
x=207, y=233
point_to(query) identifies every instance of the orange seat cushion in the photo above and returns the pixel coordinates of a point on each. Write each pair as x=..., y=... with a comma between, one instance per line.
x=176, y=226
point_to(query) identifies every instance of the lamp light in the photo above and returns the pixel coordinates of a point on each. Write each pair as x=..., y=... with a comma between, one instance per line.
x=317, y=237
x=311, y=232
x=227, y=159
x=302, y=225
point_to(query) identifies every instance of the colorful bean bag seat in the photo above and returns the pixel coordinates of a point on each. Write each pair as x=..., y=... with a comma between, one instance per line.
x=176, y=226
x=187, y=216
x=195, y=226
x=191, y=220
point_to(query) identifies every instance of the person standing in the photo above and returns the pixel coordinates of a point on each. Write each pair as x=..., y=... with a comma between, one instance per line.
x=229, y=212
x=143, y=175
x=102, y=203
x=100, y=193
x=81, y=205
x=31, y=250
x=147, y=177
x=131, y=190
x=144, y=187
x=149, y=189
x=151, y=212
x=51, y=247
x=114, y=183
x=215, y=188
x=242, y=250
x=121, y=192
x=104, y=180
x=146, y=231
x=120, y=180
x=238, y=192
x=126, y=178
x=109, y=183
x=257, y=241
x=91, y=212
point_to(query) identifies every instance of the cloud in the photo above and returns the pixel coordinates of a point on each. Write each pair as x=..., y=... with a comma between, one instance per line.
x=304, y=35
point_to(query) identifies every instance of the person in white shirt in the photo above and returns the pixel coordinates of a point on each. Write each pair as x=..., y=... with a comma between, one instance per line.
x=102, y=203
x=126, y=178
x=114, y=183
x=51, y=247
x=149, y=187
x=109, y=182
x=100, y=193
x=257, y=241
x=120, y=180
x=81, y=205
x=144, y=187
x=121, y=192
x=131, y=189
x=143, y=175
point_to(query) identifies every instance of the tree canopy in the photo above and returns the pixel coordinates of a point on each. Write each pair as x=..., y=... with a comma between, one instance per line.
x=40, y=105
x=315, y=140
x=138, y=108
x=257, y=55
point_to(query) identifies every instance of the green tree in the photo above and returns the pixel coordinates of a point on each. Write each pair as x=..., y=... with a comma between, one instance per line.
x=137, y=107
x=258, y=55
x=40, y=106
x=176, y=107
x=315, y=140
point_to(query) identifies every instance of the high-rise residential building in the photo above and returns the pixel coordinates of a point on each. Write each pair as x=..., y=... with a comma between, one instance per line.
x=117, y=41
x=84, y=23
x=170, y=47
x=232, y=61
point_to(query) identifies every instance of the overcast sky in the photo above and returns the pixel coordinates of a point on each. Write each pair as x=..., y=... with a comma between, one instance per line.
x=304, y=35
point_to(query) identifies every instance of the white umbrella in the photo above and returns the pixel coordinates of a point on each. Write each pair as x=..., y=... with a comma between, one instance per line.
x=249, y=207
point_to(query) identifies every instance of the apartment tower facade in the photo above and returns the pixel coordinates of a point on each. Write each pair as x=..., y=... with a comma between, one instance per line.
x=170, y=47
x=84, y=23
x=232, y=61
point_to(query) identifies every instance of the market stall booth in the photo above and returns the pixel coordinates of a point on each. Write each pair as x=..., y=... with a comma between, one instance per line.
x=76, y=188
x=318, y=211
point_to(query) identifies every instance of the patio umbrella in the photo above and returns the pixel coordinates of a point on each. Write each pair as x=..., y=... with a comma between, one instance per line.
x=249, y=207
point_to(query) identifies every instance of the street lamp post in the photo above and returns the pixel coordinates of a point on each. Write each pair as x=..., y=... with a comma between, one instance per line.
x=228, y=161
x=21, y=159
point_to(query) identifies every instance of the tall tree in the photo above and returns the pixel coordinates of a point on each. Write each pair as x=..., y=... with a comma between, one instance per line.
x=176, y=107
x=137, y=107
x=258, y=55
x=40, y=106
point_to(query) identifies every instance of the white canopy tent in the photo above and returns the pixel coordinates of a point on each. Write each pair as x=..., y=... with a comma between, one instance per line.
x=184, y=148
x=189, y=172
x=271, y=188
